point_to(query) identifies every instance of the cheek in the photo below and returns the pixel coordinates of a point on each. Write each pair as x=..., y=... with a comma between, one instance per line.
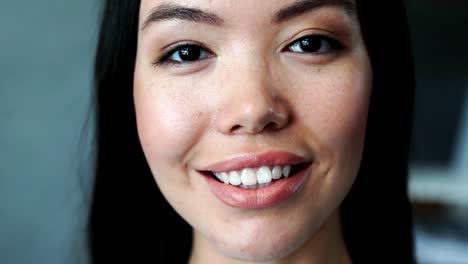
x=352, y=109
x=167, y=124
x=334, y=114
x=336, y=110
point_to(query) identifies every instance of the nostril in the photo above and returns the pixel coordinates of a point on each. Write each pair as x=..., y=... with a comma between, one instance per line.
x=271, y=125
x=266, y=127
x=235, y=128
x=254, y=122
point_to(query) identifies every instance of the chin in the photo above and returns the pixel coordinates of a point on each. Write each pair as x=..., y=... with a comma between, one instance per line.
x=260, y=246
x=267, y=251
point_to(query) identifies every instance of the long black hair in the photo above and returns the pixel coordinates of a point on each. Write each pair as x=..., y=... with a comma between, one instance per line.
x=131, y=222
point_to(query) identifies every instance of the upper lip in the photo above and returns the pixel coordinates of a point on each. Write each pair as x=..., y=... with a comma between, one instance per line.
x=254, y=160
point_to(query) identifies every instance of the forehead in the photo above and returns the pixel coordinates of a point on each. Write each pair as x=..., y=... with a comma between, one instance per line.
x=234, y=11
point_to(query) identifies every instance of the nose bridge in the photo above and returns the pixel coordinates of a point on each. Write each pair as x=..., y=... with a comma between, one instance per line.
x=252, y=102
x=254, y=84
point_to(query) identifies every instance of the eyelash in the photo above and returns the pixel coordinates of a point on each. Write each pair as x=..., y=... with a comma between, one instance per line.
x=333, y=46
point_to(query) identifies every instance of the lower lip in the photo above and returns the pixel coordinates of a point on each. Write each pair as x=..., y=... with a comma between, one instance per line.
x=268, y=196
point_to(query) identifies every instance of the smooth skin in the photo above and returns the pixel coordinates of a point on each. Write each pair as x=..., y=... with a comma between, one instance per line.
x=247, y=83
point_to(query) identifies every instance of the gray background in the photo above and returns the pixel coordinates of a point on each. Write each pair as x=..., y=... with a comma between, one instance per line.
x=45, y=75
x=46, y=55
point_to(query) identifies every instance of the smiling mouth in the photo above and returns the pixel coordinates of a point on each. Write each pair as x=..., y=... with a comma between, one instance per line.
x=259, y=177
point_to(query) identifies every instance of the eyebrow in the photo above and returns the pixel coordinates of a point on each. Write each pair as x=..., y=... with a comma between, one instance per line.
x=172, y=11
x=303, y=6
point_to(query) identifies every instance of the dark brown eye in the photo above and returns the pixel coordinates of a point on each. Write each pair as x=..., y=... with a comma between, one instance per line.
x=315, y=44
x=189, y=53
x=186, y=54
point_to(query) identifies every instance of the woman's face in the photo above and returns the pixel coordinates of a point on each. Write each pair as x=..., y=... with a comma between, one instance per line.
x=248, y=90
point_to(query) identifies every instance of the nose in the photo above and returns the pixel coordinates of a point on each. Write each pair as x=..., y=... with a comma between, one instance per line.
x=252, y=105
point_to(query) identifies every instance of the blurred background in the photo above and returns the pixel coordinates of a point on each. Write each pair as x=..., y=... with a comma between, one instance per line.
x=46, y=61
x=439, y=159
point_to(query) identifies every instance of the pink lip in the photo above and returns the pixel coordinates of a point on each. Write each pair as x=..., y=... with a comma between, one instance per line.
x=273, y=194
x=256, y=160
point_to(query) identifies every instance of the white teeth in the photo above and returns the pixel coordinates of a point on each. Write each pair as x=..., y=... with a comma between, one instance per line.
x=254, y=178
x=277, y=172
x=248, y=177
x=234, y=178
x=249, y=186
x=254, y=187
x=225, y=177
x=286, y=170
x=264, y=175
x=218, y=175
